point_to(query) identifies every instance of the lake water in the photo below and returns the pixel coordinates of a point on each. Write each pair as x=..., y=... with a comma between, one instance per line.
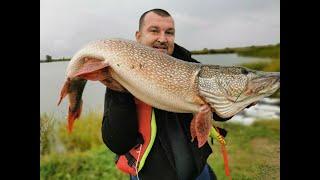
x=52, y=77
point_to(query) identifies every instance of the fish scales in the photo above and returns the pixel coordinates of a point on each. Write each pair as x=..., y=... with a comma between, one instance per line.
x=168, y=83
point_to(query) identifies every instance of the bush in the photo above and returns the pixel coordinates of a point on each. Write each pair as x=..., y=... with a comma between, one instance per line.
x=86, y=133
x=97, y=163
x=46, y=133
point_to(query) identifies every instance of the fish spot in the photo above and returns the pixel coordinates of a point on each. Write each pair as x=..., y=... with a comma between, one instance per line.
x=132, y=66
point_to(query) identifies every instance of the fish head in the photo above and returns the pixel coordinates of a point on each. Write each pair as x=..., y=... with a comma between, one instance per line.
x=229, y=90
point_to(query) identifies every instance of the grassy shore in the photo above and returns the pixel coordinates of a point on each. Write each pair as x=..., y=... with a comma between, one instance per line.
x=268, y=51
x=253, y=150
x=271, y=51
x=272, y=66
x=54, y=60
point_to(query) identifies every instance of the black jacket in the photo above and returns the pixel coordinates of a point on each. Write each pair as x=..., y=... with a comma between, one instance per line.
x=173, y=154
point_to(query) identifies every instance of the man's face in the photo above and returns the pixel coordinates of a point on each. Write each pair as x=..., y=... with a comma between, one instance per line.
x=157, y=32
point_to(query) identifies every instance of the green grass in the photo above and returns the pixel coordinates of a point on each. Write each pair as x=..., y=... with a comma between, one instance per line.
x=271, y=51
x=96, y=163
x=47, y=125
x=272, y=66
x=253, y=152
x=86, y=133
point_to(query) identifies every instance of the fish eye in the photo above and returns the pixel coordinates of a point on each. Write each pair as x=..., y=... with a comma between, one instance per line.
x=244, y=71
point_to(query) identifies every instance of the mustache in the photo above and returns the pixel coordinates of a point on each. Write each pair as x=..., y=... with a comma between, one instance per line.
x=161, y=44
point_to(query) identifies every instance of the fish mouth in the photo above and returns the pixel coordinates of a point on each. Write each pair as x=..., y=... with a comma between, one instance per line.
x=267, y=84
x=224, y=107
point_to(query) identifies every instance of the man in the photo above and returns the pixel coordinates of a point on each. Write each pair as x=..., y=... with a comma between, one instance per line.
x=173, y=155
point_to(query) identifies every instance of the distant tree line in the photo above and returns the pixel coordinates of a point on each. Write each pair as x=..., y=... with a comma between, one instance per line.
x=259, y=51
x=49, y=59
x=270, y=51
x=213, y=51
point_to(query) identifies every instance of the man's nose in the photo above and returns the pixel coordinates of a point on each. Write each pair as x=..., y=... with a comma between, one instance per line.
x=162, y=37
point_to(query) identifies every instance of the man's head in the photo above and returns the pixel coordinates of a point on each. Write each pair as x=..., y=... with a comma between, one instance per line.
x=156, y=29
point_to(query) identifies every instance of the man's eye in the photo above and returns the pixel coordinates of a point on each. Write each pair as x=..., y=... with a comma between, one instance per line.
x=170, y=32
x=153, y=30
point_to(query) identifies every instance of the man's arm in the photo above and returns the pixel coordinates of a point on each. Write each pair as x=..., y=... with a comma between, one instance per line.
x=120, y=125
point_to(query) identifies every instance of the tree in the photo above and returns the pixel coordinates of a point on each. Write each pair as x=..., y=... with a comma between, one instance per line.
x=205, y=51
x=48, y=58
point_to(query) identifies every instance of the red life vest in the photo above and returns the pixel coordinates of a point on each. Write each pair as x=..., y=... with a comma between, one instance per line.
x=128, y=162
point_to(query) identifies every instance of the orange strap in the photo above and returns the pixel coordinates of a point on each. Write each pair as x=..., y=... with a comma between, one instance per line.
x=144, y=112
x=224, y=154
x=225, y=159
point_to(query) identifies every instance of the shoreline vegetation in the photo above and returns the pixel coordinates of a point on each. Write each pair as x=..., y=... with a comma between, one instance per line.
x=83, y=155
x=263, y=51
x=49, y=59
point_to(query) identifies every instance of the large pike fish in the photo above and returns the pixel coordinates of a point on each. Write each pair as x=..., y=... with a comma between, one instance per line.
x=165, y=82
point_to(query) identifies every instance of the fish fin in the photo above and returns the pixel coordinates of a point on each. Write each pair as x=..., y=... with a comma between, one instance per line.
x=112, y=83
x=193, y=129
x=202, y=125
x=92, y=69
x=73, y=88
x=64, y=90
x=73, y=115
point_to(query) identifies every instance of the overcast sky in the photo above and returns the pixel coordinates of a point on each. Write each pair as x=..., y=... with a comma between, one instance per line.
x=67, y=25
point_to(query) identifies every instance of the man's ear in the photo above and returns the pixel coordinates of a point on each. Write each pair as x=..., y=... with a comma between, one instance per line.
x=138, y=35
